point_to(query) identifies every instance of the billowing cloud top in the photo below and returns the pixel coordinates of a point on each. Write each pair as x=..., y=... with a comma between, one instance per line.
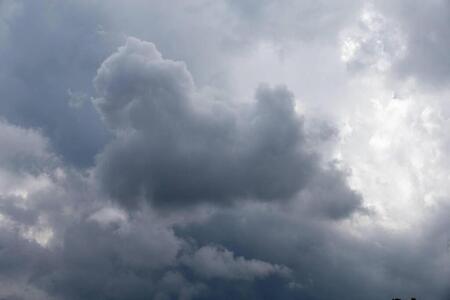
x=175, y=147
x=224, y=150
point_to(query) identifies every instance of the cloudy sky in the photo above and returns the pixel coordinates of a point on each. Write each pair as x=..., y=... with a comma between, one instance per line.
x=224, y=149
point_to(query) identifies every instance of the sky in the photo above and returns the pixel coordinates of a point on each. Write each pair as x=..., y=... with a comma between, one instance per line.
x=224, y=149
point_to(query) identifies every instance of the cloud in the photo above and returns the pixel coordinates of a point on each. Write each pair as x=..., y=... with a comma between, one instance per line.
x=326, y=261
x=407, y=38
x=426, y=27
x=212, y=262
x=34, y=84
x=22, y=149
x=64, y=240
x=292, y=20
x=39, y=91
x=174, y=147
x=89, y=248
x=187, y=179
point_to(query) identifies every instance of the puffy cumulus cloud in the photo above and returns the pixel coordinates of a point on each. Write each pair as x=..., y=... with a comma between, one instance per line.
x=48, y=87
x=174, y=147
x=64, y=240
x=75, y=244
x=61, y=237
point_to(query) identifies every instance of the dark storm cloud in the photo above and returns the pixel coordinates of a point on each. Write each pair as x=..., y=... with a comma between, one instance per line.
x=21, y=261
x=110, y=262
x=50, y=51
x=255, y=251
x=327, y=262
x=65, y=241
x=137, y=260
x=328, y=195
x=102, y=253
x=174, y=147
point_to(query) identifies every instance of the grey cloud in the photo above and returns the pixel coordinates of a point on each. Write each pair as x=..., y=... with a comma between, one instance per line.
x=293, y=20
x=97, y=262
x=427, y=30
x=47, y=49
x=23, y=149
x=329, y=196
x=91, y=252
x=14, y=212
x=39, y=87
x=94, y=254
x=21, y=261
x=326, y=262
x=174, y=147
x=213, y=262
x=95, y=250
x=136, y=258
x=174, y=285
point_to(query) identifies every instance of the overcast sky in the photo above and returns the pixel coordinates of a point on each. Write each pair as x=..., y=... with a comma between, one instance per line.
x=224, y=149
